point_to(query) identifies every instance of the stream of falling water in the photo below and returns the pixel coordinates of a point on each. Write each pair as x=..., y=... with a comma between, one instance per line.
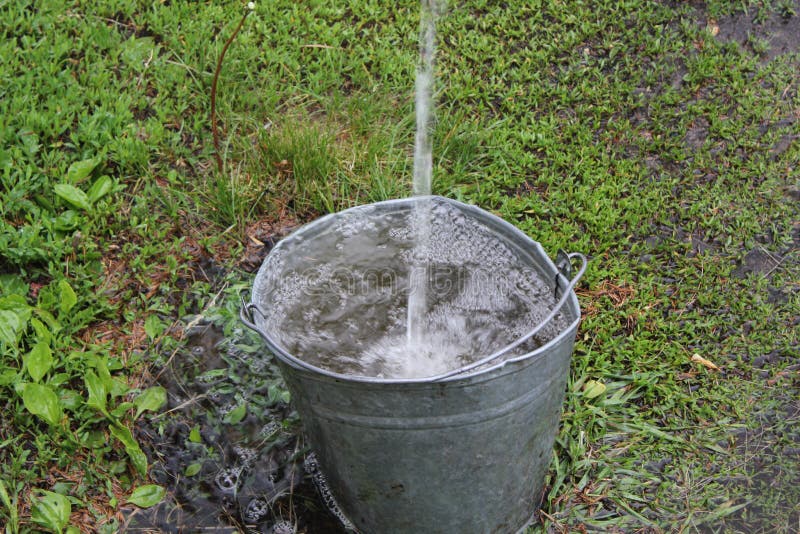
x=423, y=171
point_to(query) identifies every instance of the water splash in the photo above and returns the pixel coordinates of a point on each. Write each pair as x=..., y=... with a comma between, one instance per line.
x=418, y=276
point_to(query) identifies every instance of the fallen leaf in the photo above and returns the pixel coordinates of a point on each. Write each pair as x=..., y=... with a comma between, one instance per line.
x=702, y=361
x=593, y=388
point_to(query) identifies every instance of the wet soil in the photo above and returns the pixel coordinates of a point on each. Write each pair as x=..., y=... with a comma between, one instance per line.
x=228, y=446
x=779, y=31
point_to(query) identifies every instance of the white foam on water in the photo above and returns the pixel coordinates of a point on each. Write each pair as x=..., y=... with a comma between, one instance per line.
x=431, y=354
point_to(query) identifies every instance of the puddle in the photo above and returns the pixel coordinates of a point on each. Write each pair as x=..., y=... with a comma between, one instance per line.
x=228, y=446
x=779, y=31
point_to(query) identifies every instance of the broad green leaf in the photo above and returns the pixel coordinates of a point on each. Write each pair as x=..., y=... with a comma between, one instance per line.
x=66, y=221
x=70, y=399
x=100, y=188
x=192, y=469
x=147, y=496
x=42, y=401
x=153, y=326
x=593, y=389
x=96, y=390
x=212, y=374
x=17, y=304
x=277, y=394
x=52, y=324
x=4, y=498
x=123, y=434
x=59, y=379
x=117, y=387
x=236, y=415
x=121, y=409
x=138, y=458
x=68, y=296
x=42, y=333
x=73, y=195
x=194, y=435
x=39, y=361
x=62, y=487
x=150, y=399
x=13, y=284
x=51, y=510
x=8, y=377
x=79, y=170
x=10, y=324
x=92, y=439
x=101, y=366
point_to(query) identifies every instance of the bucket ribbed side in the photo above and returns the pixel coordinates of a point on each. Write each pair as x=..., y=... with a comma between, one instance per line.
x=465, y=456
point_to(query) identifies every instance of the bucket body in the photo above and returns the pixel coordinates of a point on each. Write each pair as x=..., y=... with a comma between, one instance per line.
x=466, y=453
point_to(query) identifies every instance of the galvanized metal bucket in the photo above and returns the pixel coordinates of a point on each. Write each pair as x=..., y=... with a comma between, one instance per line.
x=466, y=451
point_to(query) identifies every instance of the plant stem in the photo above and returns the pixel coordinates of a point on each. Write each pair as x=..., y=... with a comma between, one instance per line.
x=214, y=130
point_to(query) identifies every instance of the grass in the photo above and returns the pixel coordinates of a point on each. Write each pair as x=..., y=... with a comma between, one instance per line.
x=625, y=130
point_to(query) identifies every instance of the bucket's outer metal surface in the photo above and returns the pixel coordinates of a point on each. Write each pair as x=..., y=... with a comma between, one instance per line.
x=467, y=454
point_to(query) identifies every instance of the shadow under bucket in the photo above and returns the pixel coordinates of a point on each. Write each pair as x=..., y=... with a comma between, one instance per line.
x=462, y=451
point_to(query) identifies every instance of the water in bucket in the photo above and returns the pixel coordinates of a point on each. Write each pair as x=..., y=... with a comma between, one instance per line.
x=338, y=299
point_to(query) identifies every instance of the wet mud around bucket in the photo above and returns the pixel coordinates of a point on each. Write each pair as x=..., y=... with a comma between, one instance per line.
x=228, y=447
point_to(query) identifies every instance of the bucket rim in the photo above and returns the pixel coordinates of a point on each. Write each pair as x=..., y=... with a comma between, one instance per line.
x=247, y=310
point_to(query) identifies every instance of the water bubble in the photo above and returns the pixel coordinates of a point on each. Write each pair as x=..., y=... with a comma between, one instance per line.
x=246, y=455
x=283, y=527
x=218, y=398
x=228, y=479
x=256, y=510
x=227, y=408
x=270, y=429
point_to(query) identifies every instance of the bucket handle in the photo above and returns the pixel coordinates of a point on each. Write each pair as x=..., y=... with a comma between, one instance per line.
x=246, y=313
x=564, y=265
